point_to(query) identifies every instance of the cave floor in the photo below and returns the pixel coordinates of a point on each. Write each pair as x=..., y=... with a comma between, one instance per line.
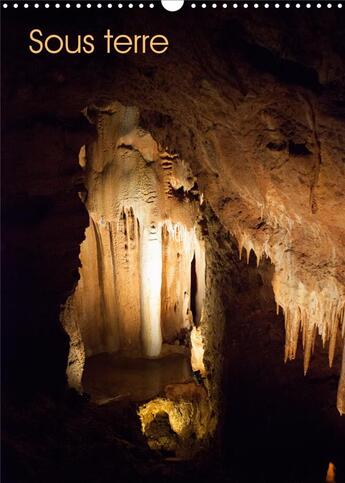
x=111, y=377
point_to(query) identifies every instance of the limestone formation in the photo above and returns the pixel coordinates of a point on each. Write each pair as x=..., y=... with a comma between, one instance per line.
x=141, y=249
x=180, y=422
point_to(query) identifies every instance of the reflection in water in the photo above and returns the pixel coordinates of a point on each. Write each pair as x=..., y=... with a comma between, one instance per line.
x=110, y=376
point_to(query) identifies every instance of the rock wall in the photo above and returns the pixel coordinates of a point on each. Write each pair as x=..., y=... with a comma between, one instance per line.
x=43, y=226
x=180, y=422
x=135, y=288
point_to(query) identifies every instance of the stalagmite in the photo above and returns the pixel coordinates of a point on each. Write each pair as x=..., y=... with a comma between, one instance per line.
x=150, y=289
x=330, y=476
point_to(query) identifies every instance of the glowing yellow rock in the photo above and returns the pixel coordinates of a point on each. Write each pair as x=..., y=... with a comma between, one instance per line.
x=189, y=418
x=197, y=350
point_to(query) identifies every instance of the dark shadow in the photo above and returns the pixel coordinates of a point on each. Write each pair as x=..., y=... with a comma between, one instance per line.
x=280, y=426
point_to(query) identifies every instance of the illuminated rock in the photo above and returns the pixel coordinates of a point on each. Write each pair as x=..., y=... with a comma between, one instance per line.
x=76, y=356
x=311, y=305
x=150, y=289
x=330, y=476
x=141, y=249
x=197, y=350
x=341, y=387
x=121, y=302
x=185, y=419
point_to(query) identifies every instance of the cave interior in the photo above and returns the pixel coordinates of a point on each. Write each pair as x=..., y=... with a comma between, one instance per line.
x=173, y=261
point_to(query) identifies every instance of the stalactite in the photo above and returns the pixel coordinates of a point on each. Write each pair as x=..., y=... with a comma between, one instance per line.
x=309, y=306
x=178, y=249
x=127, y=288
x=134, y=291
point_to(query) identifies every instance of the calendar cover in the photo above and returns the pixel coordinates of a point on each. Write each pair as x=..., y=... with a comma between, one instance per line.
x=173, y=241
